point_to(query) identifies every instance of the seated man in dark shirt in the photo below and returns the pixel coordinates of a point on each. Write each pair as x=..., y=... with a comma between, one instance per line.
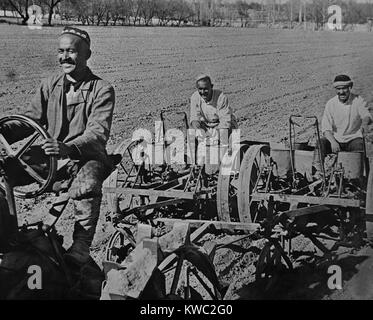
x=76, y=107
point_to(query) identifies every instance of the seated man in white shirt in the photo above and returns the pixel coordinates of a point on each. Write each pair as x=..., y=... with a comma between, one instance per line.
x=343, y=118
x=210, y=111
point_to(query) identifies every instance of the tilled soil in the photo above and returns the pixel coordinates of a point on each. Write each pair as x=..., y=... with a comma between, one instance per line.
x=268, y=75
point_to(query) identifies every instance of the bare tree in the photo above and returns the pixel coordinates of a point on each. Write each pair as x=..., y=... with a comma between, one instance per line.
x=99, y=11
x=242, y=9
x=51, y=5
x=197, y=12
x=4, y=5
x=114, y=12
x=67, y=10
x=21, y=7
x=117, y=10
x=181, y=11
x=354, y=13
x=149, y=10
x=164, y=11
x=83, y=10
x=218, y=16
x=231, y=12
x=136, y=7
x=107, y=16
x=125, y=9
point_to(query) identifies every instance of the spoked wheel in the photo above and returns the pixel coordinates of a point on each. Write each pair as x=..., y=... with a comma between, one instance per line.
x=125, y=175
x=272, y=261
x=193, y=276
x=39, y=169
x=123, y=240
x=121, y=243
x=228, y=185
x=250, y=178
x=352, y=225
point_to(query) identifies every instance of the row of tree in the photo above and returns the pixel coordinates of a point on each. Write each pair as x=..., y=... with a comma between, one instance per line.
x=21, y=7
x=105, y=12
x=199, y=12
x=126, y=12
x=316, y=11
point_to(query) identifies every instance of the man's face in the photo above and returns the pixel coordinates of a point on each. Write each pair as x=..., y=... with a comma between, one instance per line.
x=73, y=54
x=205, y=89
x=343, y=93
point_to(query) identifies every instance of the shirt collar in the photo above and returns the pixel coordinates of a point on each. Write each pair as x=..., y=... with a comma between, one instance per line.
x=66, y=83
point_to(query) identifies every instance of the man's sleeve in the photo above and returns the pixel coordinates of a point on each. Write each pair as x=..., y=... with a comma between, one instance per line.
x=327, y=120
x=92, y=143
x=15, y=130
x=38, y=107
x=363, y=109
x=195, y=113
x=224, y=113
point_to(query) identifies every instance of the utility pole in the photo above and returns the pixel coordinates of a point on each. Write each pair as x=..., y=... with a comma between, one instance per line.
x=278, y=8
x=291, y=14
x=300, y=12
x=201, y=13
x=305, y=15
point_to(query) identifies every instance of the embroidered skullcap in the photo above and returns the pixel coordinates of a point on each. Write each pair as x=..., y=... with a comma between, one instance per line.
x=203, y=77
x=342, y=81
x=78, y=32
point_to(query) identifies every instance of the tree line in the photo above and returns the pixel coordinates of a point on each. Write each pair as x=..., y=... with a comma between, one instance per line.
x=196, y=12
x=106, y=12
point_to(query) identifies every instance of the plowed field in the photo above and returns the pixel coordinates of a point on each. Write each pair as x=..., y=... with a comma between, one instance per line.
x=267, y=74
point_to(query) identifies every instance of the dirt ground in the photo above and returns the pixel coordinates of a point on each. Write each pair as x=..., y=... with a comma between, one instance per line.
x=268, y=75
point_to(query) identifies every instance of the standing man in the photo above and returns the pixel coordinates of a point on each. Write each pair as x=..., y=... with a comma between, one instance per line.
x=343, y=118
x=77, y=107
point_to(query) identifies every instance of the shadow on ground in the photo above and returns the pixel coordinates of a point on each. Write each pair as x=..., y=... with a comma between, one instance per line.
x=306, y=282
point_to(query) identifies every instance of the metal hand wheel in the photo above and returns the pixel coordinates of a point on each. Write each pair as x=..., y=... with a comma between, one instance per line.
x=18, y=152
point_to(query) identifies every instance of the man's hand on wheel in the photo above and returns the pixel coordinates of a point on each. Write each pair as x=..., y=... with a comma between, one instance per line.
x=52, y=147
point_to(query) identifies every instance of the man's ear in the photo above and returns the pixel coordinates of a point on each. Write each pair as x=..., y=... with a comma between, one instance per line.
x=89, y=53
x=351, y=85
x=212, y=86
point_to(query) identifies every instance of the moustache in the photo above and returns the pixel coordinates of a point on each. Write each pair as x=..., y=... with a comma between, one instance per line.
x=69, y=61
